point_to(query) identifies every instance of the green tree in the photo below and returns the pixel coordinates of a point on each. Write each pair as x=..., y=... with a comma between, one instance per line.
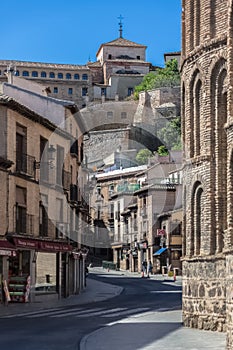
x=162, y=151
x=143, y=155
x=170, y=134
x=161, y=77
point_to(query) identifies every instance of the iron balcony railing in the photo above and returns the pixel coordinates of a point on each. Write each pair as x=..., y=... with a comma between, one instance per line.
x=24, y=223
x=25, y=164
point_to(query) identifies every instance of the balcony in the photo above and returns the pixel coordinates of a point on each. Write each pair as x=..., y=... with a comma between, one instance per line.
x=25, y=164
x=24, y=223
x=66, y=180
x=128, y=187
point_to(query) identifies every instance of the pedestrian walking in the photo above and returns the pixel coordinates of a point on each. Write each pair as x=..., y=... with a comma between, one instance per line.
x=149, y=269
x=144, y=268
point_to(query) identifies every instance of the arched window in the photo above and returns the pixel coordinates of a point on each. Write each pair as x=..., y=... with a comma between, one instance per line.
x=68, y=76
x=60, y=75
x=198, y=213
x=84, y=77
x=213, y=20
x=197, y=117
x=76, y=76
x=194, y=117
x=25, y=73
x=219, y=149
x=52, y=75
x=198, y=23
x=16, y=73
x=197, y=219
x=43, y=74
x=191, y=25
x=34, y=74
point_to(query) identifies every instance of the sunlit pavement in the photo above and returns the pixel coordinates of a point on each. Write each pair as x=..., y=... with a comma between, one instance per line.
x=150, y=331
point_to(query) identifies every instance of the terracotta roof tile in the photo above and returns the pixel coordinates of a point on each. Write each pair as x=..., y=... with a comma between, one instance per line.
x=123, y=42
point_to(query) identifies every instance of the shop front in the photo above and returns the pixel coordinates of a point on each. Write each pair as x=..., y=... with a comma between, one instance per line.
x=7, y=252
x=39, y=266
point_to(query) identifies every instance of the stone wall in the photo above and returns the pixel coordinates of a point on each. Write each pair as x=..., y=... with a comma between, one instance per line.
x=204, y=293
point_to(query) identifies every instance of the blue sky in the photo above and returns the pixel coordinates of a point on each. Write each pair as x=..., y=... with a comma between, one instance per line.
x=71, y=31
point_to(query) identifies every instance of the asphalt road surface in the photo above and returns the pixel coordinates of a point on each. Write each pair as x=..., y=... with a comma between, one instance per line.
x=63, y=328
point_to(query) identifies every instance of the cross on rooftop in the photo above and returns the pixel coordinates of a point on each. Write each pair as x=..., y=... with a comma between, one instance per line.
x=120, y=25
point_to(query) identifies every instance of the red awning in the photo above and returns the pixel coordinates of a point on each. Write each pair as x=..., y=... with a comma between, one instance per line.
x=41, y=245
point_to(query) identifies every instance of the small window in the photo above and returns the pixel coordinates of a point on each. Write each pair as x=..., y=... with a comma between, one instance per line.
x=34, y=74
x=109, y=57
x=103, y=91
x=55, y=90
x=130, y=91
x=84, y=91
x=123, y=115
x=76, y=76
x=85, y=77
x=25, y=73
x=68, y=76
x=138, y=57
x=70, y=91
x=51, y=75
x=16, y=73
x=1, y=72
x=60, y=75
x=110, y=114
x=43, y=74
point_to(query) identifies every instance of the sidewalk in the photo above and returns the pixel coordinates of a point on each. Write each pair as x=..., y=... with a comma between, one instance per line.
x=95, y=291
x=155, y=330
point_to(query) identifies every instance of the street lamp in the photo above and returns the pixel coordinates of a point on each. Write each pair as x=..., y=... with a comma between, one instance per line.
x=51, y=157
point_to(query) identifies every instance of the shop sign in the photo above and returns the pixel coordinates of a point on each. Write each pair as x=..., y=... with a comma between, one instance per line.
x=54, y=246
x=42, y=245
x=26, y=243
x=161, y=232
x=7, y=252
x=7, y=249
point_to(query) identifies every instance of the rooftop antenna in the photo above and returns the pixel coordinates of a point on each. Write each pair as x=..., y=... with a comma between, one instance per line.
x=120, y=25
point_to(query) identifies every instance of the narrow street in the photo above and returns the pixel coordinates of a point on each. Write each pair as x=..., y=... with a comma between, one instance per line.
x=64, y=327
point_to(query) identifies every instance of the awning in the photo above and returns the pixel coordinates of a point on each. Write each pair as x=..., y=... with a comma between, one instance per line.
x=160, y=251
x=42, y=245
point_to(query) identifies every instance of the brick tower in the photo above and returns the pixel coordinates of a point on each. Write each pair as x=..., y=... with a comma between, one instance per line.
x=207, y=128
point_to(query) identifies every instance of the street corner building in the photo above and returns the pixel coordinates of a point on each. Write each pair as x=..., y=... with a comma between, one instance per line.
x=42, y=207
x=207, y=124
